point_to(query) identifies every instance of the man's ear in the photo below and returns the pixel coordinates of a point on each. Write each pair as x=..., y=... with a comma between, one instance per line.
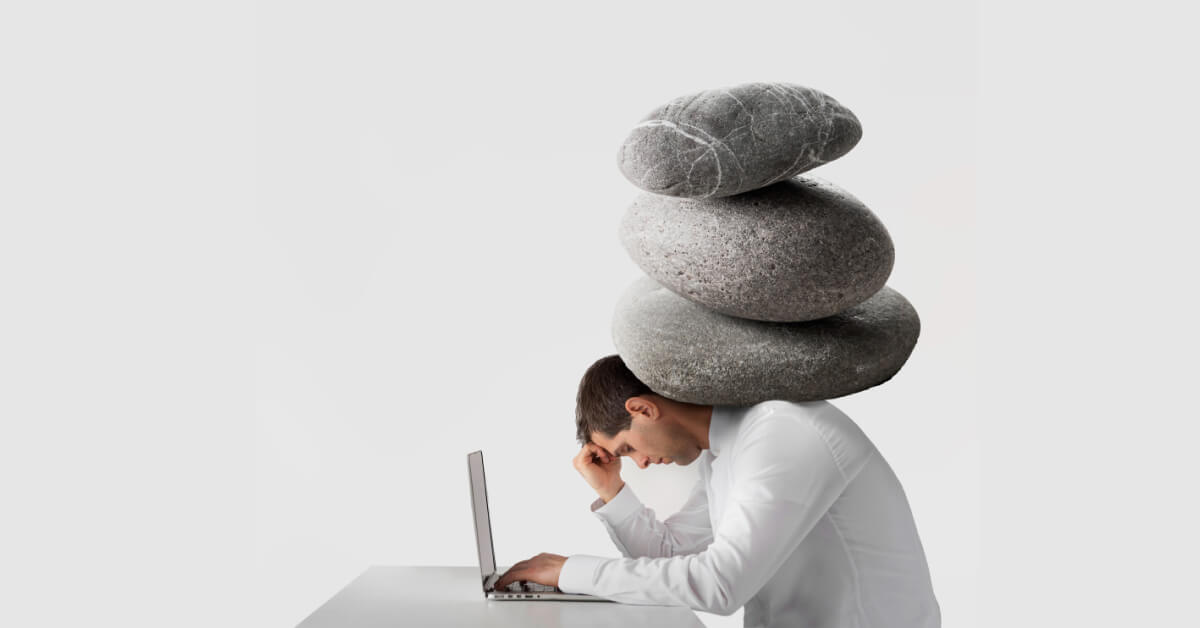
x=642, y=407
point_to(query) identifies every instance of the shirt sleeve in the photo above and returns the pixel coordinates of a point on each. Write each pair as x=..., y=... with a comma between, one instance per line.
x=785, y=476
x=636, y=532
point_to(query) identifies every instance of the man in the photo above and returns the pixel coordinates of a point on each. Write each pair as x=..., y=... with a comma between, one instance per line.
x=796, y=515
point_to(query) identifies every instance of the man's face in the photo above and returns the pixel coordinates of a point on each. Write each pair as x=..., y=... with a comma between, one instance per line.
x=651, y=442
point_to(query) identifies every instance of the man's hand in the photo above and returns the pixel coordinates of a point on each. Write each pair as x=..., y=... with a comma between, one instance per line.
x=602, y=471
x=542, y=569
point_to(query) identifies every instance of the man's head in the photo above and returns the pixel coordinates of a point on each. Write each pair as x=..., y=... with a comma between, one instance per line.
x=618, y=412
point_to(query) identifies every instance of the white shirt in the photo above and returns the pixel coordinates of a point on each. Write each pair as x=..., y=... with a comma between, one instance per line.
x=796, y=516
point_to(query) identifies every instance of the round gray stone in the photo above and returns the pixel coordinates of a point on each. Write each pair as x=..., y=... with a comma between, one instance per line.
x=726, y=141
x=687, y=352
x=797, y=250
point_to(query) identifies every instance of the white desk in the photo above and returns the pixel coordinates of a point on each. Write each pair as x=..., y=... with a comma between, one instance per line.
x=385, y=596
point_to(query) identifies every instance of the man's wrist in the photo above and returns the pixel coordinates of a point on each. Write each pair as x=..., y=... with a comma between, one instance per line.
x=608, y=497
x=577, y=574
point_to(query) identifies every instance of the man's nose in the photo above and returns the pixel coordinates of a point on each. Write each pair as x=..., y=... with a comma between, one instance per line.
x=644, y=462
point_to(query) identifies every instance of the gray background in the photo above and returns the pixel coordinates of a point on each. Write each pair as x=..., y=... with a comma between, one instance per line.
x=268, y=272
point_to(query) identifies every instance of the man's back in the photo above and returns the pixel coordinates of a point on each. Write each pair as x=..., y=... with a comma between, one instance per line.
x=863, y=558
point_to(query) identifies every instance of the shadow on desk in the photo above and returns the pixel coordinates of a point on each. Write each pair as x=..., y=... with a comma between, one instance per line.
x=386, y=596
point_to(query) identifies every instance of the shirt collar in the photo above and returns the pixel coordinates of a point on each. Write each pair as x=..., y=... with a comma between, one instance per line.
x=722, y=428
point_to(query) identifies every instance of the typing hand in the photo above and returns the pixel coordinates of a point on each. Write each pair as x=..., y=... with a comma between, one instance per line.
x=542, y=569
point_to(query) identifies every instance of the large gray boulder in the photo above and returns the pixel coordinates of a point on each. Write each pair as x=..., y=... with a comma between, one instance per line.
x=687, y=352
x=726, y=141
x=798, y=250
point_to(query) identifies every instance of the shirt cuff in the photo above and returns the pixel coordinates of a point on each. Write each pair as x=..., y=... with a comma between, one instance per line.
x=578, y=573
x=619, y=508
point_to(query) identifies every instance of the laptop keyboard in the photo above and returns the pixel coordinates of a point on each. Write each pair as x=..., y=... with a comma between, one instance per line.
x=523, y=586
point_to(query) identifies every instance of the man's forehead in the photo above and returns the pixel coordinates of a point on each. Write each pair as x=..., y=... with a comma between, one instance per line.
x=608, y=444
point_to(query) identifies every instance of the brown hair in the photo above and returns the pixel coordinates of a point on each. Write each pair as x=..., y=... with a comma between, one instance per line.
x=600, y=403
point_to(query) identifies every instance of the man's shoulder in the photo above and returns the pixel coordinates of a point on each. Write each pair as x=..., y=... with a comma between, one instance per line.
x=819, y=411
x=799, y=408
x=826, y=421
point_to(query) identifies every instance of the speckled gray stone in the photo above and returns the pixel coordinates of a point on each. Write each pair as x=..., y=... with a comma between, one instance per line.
x=726, y=141
x=687, y=352
x=797, y=250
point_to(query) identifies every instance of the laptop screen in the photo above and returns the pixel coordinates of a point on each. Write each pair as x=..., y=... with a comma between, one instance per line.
x=483, y=523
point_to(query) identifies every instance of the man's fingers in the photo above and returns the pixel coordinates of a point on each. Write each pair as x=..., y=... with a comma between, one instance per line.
x=514, y=573
x=589, y=452
x=599, y=452
x=509, y=576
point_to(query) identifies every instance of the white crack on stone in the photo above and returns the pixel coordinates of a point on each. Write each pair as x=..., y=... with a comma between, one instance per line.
x=698, y=140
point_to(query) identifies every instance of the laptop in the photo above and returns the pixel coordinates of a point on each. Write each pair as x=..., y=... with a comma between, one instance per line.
x=527, y=591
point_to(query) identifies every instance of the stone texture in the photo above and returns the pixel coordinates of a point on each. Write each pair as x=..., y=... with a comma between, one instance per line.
x=797, y=250
x=720, y=142
x=687, y=352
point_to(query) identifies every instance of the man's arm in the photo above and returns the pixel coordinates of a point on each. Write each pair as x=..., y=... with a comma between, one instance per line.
x=636, y=532
x=631, y=525
x=785, y=478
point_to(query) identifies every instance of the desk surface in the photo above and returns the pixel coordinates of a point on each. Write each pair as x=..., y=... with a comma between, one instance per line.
x=451, y=596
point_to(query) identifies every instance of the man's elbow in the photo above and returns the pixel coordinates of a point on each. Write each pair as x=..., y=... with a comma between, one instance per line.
x=723, y=609
x=724, y=599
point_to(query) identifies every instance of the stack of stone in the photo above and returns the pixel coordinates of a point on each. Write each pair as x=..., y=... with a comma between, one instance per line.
x=762, y=284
